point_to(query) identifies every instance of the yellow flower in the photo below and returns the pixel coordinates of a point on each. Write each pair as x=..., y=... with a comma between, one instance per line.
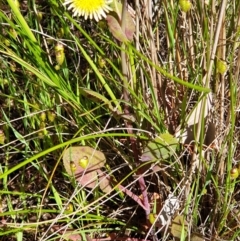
x=89, y=8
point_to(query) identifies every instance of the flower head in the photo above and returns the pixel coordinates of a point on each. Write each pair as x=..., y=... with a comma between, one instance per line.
x=89, y=8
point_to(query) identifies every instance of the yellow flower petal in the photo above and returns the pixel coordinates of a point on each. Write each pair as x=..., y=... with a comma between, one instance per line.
x=96, y=9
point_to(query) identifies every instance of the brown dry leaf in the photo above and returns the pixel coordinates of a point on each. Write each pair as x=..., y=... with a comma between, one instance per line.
x=87, y=179
x=104, y=182
x=179, y=227
x=197, y=237
x=186, y=135
x=85, y=176
x=70, y=236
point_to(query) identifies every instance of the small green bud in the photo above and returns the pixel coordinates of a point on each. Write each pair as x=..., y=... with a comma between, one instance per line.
x=73, y=167
x=152, y=217
x=39, y=16
x=35, y=106
x=13, y=33
x=13, y=66
x=3, y=81
x=51, y=116
x=43, y=131
x=234, y=173
x=83, y=162
x=7, y=42
x=2, y=137
x=101, y=62
x=60, y=56
x=9, y=102
x=69, y=208
x=59, y=53
x=185, y=5
x=221, y=66
x=57, y=67
x=42, y=116
x=60, y=33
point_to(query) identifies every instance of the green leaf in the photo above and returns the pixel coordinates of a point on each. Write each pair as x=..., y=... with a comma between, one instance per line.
x=117, y=8
x=117, y=14
x=162, y=147
x=116, y=29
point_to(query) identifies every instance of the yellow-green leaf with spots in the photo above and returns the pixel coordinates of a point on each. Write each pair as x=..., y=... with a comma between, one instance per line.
x=86, y=173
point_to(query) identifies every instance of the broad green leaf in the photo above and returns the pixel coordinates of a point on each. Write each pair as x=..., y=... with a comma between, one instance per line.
x=162, y=147
x=116, y=29
x=117, y=8
x=130, y=26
